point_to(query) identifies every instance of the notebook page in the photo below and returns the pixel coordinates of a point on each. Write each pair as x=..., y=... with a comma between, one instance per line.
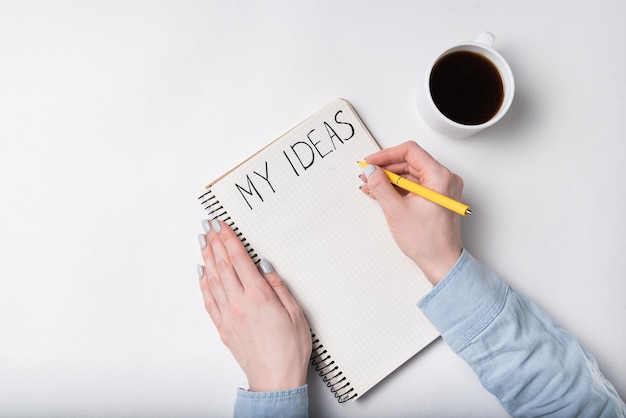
x=298, y=204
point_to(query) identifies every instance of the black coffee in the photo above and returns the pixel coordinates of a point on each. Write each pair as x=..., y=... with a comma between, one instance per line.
x=466, y=87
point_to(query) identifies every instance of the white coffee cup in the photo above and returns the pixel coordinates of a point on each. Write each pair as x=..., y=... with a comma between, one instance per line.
x=437, y=120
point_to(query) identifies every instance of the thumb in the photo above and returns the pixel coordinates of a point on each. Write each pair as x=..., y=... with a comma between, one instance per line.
x=381, y=189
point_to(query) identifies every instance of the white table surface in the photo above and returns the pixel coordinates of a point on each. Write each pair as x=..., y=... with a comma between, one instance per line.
x=114, y=114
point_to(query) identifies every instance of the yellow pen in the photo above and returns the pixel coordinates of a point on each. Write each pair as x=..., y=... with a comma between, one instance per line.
x=425, y=192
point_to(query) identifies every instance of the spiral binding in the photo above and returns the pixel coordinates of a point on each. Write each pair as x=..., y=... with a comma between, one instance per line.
x=329, y=372
x=215, y=210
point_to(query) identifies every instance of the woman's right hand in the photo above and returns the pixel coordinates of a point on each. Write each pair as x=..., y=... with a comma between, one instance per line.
x=426, y=232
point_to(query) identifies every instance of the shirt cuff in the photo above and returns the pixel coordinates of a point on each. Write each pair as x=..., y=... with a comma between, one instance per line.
x=465, y=301
x=283, y=403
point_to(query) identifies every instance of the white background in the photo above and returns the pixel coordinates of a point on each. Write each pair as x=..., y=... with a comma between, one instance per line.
x=114, y=114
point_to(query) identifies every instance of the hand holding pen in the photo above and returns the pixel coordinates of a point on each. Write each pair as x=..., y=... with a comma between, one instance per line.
x=431, y=195
x=428, y=233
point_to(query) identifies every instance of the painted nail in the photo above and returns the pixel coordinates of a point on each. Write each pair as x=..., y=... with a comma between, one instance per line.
x=216, y=226
x=202, y=240
x=206, y=226
x=369, y=170
x=200, y=270
x=266, y=266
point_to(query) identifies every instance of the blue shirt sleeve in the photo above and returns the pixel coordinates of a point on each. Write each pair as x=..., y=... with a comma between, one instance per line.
x=291, y=403
x=519, y=354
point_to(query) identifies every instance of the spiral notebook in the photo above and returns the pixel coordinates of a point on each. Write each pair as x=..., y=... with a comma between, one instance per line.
x=297, y=203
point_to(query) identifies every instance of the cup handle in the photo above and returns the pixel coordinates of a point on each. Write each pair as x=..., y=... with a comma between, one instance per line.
x=486, y=38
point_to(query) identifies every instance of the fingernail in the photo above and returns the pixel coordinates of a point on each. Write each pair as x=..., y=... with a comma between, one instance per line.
x=266, y=266
x=202, y=240
x=206, y=226
x=216, y=226
x=369, y=170
x=200, y=270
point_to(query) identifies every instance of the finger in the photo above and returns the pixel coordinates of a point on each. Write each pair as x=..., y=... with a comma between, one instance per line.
x=365, y=188
x=211, y=281
x=280, y=288
x=402, y=168
x=222, y=266
x=380, y=187
x=210, y=304
x=244, y=267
